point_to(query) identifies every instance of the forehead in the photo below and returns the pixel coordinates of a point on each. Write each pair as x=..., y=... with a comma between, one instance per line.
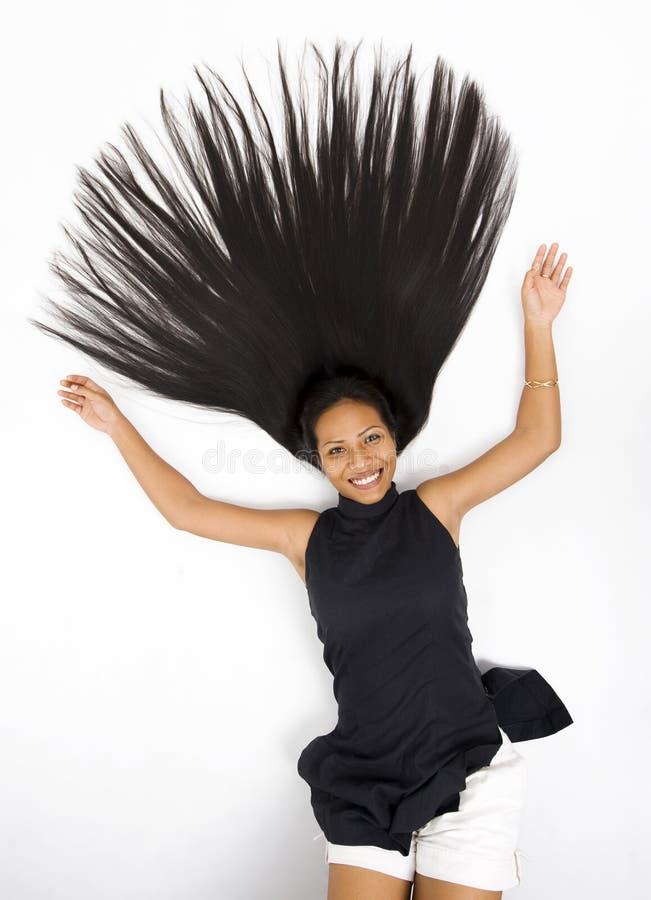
x=345, y=420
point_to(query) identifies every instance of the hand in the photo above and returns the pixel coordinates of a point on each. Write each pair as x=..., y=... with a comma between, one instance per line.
x=543, y=297
x=91, y=402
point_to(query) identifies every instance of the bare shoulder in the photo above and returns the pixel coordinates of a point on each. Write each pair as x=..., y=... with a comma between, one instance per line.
x=300, y=525
x=438, y=496
x=506, y=462
x=284, y=531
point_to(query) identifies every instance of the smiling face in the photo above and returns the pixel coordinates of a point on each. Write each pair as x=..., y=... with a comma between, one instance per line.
x=354, y=444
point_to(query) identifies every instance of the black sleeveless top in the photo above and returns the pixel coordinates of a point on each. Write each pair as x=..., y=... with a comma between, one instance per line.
x=415, y=716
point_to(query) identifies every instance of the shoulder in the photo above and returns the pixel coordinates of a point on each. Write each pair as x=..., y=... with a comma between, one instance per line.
x=436, y=494
x=300, y=526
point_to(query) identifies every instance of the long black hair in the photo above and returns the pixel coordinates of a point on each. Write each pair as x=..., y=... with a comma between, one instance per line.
x=254, y=271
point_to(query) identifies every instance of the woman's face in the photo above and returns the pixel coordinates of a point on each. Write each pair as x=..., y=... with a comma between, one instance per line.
x=353, y=444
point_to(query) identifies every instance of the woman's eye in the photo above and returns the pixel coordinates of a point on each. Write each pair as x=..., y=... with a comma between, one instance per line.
x=374, y=435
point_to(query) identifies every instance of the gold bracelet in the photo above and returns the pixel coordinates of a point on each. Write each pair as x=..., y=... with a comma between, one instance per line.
x=537, y=384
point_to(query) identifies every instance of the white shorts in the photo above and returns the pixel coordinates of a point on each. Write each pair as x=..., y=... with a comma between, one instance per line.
x=475, y=845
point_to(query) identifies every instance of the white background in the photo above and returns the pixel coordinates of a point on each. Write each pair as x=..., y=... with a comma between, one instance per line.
x=157, y=688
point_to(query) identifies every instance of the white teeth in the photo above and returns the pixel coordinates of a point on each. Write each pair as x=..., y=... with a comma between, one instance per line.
x=370, y=478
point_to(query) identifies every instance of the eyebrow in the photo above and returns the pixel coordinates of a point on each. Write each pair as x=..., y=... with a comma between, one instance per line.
x=341, y=440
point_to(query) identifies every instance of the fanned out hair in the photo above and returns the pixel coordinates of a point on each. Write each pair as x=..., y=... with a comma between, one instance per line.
x=269, y=280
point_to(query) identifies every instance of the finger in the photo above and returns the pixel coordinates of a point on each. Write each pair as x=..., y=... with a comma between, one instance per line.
x=549, y=261
x=82, y=381
x=566, y=278
x=558, y=268
x=82, y=391
x=71, y=396
x=537, y=262
x=76, y=406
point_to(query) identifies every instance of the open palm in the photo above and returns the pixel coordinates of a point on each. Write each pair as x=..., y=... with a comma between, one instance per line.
x=543, y=290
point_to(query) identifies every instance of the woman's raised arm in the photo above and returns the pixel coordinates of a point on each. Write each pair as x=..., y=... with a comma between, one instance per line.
x=537, y=431
x=281, y=530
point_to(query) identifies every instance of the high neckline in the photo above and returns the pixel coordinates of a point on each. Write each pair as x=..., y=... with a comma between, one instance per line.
x=357, y=510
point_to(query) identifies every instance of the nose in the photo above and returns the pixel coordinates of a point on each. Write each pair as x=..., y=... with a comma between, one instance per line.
x=361, y=464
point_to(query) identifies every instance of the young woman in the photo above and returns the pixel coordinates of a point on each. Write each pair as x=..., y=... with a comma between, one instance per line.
x=318, y=294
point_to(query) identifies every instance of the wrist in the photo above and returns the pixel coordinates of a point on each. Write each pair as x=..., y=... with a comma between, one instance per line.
x=118, y=428
x=536, y=323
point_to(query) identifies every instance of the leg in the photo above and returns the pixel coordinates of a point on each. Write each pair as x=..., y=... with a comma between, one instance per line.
x=435, y=889
x=355, y=883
